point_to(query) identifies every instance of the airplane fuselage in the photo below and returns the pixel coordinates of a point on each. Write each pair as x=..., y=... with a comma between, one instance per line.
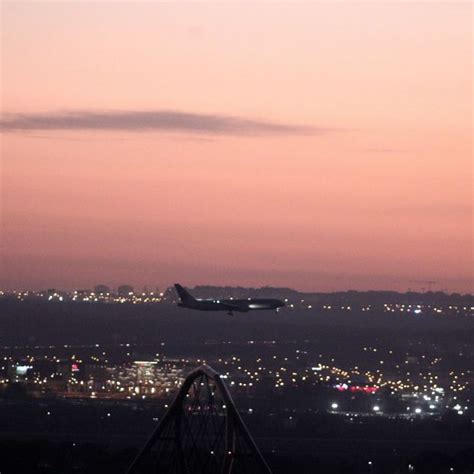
x=229, y=305
x=242, y=306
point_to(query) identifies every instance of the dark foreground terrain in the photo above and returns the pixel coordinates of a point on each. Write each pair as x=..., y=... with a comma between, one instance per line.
x=104, y=437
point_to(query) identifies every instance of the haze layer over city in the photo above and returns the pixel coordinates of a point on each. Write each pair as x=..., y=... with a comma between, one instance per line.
x=240, y=231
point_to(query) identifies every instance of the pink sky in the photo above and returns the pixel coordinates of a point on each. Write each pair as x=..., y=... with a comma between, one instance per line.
x=323, y=146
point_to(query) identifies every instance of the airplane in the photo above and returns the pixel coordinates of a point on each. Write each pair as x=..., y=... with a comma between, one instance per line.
x=241, y=306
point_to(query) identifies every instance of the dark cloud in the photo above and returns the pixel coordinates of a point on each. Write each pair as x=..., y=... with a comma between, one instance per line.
x=148, y=121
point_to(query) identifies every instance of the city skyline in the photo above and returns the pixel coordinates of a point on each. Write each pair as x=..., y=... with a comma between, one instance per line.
x=321, y=147
x=417, y=286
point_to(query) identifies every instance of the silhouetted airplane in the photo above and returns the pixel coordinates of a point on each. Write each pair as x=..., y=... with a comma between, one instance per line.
x=242, y=306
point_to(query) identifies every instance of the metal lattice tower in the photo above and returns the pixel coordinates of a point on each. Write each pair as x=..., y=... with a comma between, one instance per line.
x=201, y=433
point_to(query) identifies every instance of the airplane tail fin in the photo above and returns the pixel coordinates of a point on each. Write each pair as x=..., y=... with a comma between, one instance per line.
x=184, y=295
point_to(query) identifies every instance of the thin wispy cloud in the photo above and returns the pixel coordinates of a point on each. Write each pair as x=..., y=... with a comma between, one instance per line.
x=154, y=120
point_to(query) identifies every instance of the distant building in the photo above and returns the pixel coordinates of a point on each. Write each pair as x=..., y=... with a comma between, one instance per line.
x=125, y=290
x=101, y=289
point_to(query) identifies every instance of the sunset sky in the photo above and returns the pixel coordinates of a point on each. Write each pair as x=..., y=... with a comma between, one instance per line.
x=321, y=146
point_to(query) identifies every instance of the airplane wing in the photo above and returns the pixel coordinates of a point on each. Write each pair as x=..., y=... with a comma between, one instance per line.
x=234, y=307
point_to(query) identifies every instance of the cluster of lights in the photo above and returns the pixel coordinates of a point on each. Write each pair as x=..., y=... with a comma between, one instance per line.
x=130, y=380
